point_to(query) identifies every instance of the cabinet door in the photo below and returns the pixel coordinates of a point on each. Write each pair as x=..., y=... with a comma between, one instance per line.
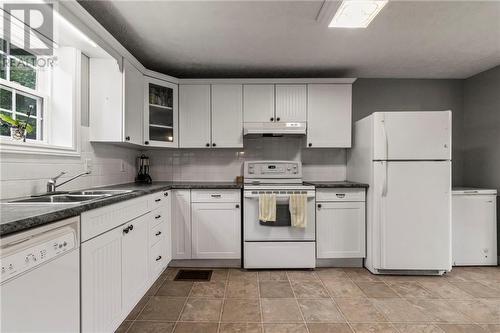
x=340, y=229
x=133, y=93
x=101, y=269
x=227, y=115
x=216, y=230
x=181, y=224
x=194, y=116
x=135, y=270
x=160, y=113
x=329, y=115
x=167, y=206
x=258, y=103
x=106, y=100
x=291, y=102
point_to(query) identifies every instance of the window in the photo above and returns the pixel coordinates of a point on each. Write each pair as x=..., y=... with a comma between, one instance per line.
x=21, y=97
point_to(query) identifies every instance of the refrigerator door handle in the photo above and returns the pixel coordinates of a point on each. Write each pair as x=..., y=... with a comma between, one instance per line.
x=384, y=184
x=386, y=140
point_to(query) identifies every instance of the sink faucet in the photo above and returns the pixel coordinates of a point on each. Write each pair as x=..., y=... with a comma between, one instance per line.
x=51, y=184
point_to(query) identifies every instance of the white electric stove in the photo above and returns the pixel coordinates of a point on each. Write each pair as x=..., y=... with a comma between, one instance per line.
x=277, y=244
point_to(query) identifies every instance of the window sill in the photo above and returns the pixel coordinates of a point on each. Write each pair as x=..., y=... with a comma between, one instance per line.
x=12, y=147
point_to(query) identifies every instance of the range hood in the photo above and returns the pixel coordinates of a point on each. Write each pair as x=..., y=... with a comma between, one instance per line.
x=275, y=128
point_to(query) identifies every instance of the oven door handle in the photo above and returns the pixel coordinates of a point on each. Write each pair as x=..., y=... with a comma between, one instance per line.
x=310, y=194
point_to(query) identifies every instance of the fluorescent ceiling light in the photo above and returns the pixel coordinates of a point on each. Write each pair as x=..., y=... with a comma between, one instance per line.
x=356, y=13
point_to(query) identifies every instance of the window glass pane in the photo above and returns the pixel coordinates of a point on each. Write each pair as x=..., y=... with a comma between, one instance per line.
x=3, y=66
x=22, y=74
x=5, y=99
x=25, y=104
x=32, y=122
x=4, y=128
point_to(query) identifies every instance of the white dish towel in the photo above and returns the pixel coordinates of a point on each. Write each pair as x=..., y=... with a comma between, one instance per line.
x=267, y=207
x=298, y=210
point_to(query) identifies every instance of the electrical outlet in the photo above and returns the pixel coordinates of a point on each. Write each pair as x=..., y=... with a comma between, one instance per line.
x=88, y=165
x=122, y=166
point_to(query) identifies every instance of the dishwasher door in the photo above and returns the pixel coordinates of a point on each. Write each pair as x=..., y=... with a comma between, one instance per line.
x=42, y=294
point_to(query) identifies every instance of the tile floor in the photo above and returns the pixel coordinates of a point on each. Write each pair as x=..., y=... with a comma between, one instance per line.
x=330, y=300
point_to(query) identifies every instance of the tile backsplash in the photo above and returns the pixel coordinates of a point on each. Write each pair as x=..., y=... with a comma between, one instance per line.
x=23, y=175
x=226, y=164
x=27, y=174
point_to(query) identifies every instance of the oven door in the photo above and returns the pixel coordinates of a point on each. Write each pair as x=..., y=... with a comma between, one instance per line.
x=281, y=230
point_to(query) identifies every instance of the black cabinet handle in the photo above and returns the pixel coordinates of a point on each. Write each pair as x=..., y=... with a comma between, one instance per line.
x=159, y=258
x=131, y=227
x=157, y=200
x=146, y=142
x=278, y=119
x=127, y=138
x=216, y=195
x=319, y=206
x=158, y=233
x=272, y=119
x=310, y=144
x=165, y=194
x=207, y=145
x=126, y=230
x=157, y=217
x=237, y=206
x=213, y=145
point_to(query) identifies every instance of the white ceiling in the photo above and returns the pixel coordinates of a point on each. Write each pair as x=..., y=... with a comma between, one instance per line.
x=201, y=39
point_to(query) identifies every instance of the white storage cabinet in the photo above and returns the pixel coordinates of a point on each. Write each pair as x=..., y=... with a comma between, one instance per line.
x=329, y=115
x=216, y=224
x=211, y=116
x=340, y=223
x=116, y=269
x=116, y=102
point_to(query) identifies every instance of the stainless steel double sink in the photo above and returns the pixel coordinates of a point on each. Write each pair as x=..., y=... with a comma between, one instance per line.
x=71, y=197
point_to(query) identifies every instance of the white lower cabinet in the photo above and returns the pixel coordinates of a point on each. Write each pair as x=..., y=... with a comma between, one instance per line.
x=216, y=230
x=340, y=224
x=101, y=284
x=118, y=266
x=181, y=224
x=134, y=256
x=206, y=224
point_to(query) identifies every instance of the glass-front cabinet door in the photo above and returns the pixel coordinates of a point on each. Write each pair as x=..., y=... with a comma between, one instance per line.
x=161, y=113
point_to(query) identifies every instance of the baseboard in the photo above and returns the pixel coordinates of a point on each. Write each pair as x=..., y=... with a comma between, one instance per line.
x=340, y=262
x=206, y=263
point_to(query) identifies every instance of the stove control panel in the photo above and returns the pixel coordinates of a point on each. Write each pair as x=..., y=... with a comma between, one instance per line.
x=273, y=170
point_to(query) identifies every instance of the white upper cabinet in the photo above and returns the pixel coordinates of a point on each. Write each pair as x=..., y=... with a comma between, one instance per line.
x=194, y=116
x=329, y=108
x=291, y=102
x=258, y=103
x=160, y=113
x=116, y=102
x=227, y=115
x=210, y=116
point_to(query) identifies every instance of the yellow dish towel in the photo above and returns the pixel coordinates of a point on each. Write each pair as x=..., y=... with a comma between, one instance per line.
x=298, y=210
x=267, y=207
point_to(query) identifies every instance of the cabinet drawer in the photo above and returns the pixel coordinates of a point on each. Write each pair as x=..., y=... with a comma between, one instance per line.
x=100, y=220
x=156, y=233
x=215, y=196
x=158, y=215
x=340, y=194
x=157, y=259
x=158, y=199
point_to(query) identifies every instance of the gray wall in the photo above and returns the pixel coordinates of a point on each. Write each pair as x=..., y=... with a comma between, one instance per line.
x=370, y=95
x=482, y=133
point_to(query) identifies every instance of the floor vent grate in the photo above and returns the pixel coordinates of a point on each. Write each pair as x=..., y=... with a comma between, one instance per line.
x=193, y=275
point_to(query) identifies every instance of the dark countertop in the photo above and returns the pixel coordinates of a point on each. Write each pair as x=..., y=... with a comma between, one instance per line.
x=18, y=217
x=332, y=184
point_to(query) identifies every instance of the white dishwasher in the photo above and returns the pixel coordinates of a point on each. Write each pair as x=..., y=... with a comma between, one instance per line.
x=40, y=279
x=474, y=227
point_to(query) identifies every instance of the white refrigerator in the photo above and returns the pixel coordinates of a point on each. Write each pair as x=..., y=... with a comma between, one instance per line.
x=405, y=157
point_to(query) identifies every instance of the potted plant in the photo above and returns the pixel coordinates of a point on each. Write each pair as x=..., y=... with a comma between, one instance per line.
x=18, y=128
